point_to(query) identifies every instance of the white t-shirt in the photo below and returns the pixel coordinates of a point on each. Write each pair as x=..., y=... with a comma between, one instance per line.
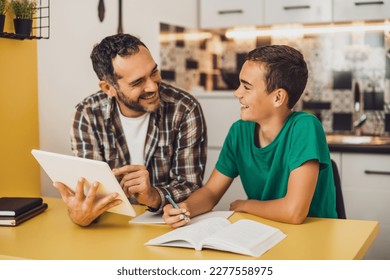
x=135, y=130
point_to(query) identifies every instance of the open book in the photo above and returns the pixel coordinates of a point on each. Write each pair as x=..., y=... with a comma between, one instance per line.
x=244, y=237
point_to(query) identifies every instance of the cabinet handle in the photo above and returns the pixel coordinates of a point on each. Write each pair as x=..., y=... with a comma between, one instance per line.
x=377, y=172
x=296, y=7
x=225, y=12
x=369, y=3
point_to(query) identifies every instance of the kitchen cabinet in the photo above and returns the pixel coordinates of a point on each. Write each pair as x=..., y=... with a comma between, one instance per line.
x=337, y=159
x=230, y=13
x=300, y=11
x=350, y=10
x=365, y=181
x=221, y=110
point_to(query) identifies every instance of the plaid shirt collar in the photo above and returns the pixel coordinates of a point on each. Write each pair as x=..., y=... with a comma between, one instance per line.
x=111, y=119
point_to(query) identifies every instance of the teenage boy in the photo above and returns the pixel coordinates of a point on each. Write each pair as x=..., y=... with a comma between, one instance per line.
x=281, y=156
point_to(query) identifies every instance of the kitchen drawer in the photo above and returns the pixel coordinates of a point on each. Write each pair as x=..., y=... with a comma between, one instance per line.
x=365, y=171
x=349, y=10
x=230, y=13
x=299, y=11
x=367, y=204
x=371, y=204
x=367, y=196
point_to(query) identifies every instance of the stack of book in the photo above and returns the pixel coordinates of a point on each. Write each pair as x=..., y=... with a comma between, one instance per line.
x=16, y=210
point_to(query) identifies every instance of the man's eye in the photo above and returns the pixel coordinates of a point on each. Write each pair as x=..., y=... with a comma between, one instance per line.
x=136, y=84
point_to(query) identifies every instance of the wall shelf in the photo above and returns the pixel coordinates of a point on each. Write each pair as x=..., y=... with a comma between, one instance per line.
x=41, y=27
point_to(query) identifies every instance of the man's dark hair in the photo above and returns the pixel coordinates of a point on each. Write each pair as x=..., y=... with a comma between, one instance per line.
x=284, y=67
x=111, y=46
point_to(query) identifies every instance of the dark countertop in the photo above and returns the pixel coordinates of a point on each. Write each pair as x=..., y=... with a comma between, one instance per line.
x=358, y=144
x=360, y=148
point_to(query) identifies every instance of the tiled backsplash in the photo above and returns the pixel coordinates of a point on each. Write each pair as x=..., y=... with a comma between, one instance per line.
x=340, y=65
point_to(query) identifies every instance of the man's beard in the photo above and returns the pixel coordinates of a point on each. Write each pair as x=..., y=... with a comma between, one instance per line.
x=135, y=105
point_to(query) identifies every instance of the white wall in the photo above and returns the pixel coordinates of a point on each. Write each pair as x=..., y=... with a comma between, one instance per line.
x=65, y=74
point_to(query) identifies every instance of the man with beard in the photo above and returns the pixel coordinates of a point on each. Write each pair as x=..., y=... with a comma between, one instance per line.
x=152, y=134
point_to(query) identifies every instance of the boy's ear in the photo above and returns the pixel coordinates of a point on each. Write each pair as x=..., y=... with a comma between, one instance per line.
x=107, y=88
x=280, y=98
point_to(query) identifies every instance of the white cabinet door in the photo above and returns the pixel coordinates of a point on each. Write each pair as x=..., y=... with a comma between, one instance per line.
x=349, y=10
x=366, y=171
x=220, y=111
x=235, y=191
x=230, y=13
x=337, y=159
x=366, y=191
x=299, y=11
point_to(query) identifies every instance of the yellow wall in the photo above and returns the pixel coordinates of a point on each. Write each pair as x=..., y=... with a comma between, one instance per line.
x=19, y=173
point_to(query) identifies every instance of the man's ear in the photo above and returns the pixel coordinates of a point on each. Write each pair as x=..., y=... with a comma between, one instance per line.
x=280, y=97
x=107, y=88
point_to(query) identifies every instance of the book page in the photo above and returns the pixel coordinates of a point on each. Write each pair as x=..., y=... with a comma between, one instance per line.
x=193, y=234
x=245, y=237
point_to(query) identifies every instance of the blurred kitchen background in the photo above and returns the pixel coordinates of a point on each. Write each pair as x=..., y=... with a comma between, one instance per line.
x=349, y=72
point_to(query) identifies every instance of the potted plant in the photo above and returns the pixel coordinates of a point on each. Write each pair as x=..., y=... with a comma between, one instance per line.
x=3, y=10
x=24, y=11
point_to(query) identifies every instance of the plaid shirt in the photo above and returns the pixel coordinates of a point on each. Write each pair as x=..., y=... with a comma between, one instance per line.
x=175, y=147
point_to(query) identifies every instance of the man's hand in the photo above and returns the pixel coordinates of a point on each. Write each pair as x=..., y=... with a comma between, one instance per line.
x=84, y=209
x=135, y=181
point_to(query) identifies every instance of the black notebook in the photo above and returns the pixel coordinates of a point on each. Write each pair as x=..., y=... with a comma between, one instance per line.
x=13, y=206
x=16, y=220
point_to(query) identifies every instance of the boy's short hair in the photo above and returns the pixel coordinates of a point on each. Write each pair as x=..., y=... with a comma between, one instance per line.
x=284, y=67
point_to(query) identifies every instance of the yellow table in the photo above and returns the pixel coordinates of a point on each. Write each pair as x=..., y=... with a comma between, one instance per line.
x=52, y=235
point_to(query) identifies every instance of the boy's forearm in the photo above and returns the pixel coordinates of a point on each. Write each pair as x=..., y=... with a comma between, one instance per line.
x=200, y=202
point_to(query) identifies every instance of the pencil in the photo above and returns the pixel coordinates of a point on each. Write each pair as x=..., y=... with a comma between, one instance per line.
x=175, y=206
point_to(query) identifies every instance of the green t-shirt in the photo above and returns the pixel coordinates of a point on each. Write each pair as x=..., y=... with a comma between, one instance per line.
x=264, y=172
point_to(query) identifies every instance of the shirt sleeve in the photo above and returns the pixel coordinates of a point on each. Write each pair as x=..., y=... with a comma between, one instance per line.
x=83, y=142
x=189, y=158
x=309, y=142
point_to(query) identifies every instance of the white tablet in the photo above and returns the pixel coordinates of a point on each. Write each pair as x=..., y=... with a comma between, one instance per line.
x=68, y=169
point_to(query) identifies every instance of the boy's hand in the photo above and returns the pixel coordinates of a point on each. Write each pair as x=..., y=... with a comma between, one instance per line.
x=176, y=217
